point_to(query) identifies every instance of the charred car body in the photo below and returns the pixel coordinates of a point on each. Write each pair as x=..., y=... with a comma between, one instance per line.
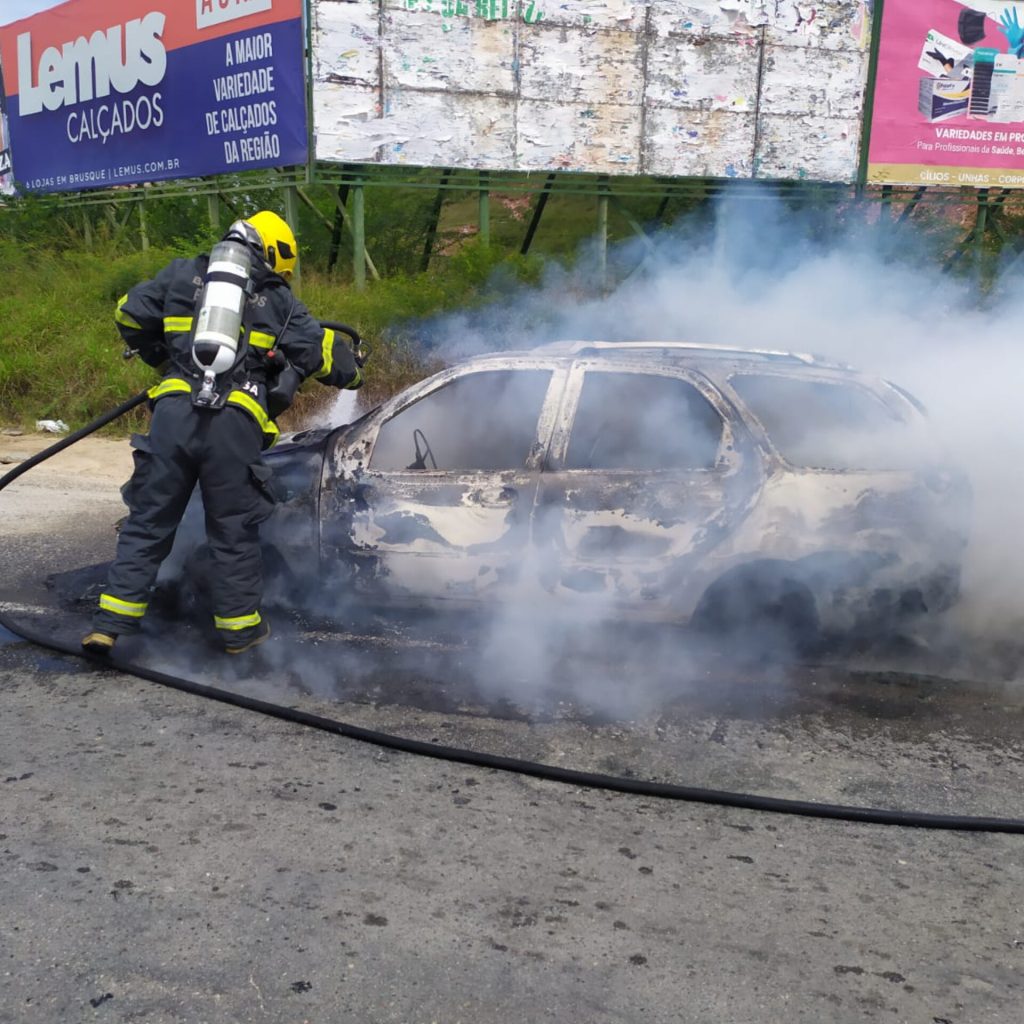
x=656, y=480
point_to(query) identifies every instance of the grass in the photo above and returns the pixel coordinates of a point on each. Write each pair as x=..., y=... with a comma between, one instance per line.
x=60, y=354
x=60, y=357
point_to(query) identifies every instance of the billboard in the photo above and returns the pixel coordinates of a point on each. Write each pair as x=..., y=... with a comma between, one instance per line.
x=724, y=88
x=949, y=101
x=6, y=169
x=101, y=93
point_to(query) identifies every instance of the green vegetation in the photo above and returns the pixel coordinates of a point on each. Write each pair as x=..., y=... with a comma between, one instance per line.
x=60, y=352
x=65, y=268
x=66, y=265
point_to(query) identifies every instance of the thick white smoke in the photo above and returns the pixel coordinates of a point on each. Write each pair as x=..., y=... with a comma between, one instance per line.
x=848, y=285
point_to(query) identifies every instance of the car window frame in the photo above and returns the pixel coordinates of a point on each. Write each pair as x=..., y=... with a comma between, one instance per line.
x=727, y=460
x=897, y=409
x=370, y=430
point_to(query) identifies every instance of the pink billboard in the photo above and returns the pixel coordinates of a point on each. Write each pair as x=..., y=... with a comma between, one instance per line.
x=949, y=96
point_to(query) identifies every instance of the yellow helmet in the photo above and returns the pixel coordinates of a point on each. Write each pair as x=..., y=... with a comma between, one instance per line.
x=279, y=245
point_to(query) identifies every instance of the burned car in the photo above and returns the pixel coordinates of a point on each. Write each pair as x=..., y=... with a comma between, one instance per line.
x=695, y=484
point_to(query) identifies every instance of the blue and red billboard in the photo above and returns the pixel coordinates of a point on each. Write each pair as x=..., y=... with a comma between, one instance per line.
x=115, y=92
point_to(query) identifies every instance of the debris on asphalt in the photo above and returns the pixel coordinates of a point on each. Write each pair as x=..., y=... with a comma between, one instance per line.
x=52, y=426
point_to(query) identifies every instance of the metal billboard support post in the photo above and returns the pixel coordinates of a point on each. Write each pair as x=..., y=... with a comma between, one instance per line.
x=637, y=227
x=339, y=221
x=869, y=95
x=213, y=211
x=348, y=220
x=291, y=209
x=976, y=236
x=118, y=229
x=602, y=235
x=435, y=219
x=311, y=206
x=538, y=212
x=358, y=236
x=143, y=232
x=1015, y=245
x=913, y=204
x=659, y=214
x=980, y=223
x=484, y=217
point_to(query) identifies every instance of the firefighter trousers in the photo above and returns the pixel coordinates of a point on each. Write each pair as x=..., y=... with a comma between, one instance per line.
x=219, y=450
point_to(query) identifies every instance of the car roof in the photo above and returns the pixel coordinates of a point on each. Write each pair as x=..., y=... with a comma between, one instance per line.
x=691, y=353
x=709, y=357
x=719, y=361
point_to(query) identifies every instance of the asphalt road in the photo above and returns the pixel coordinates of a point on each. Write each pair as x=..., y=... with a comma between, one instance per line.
x=165, y=858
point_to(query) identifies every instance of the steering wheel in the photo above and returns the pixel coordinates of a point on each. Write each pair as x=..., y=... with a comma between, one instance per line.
x=422, y=456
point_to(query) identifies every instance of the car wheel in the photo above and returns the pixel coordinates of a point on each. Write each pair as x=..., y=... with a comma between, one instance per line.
x=758, y=612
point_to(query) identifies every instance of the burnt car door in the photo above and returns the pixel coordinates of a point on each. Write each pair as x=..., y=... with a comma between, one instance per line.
x=431, y=496
x=649, y=469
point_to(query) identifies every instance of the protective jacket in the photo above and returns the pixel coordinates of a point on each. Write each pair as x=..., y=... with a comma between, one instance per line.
x=217, y=448
x=279, y=337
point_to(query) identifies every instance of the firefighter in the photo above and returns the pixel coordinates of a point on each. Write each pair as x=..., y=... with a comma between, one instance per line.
x=233, y=344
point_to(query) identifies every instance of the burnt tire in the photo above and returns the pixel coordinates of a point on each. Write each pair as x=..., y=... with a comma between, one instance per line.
x=758, y=613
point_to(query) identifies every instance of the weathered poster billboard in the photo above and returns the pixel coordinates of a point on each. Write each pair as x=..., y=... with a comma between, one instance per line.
x=725, y=88
x=949, y=100
x=115, y=92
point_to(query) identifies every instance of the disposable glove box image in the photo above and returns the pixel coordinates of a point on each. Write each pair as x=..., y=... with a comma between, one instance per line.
x=939, y=99
x=943, y=57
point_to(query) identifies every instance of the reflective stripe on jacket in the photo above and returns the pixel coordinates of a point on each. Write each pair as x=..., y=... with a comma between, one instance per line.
x=242, y=399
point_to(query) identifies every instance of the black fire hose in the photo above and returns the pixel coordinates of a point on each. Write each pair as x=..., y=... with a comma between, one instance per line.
x=665, y=790
x=67, y=442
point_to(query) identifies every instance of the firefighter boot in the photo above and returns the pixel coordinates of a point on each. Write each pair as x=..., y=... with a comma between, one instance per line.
x=98, y=642
x=255, y=641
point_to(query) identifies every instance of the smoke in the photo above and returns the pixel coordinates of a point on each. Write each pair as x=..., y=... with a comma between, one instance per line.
x=755, y=275
x=759, y=275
